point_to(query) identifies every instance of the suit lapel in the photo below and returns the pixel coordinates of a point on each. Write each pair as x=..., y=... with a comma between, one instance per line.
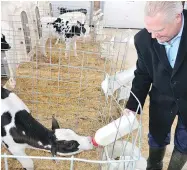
x=182, y=51
x=161, y=53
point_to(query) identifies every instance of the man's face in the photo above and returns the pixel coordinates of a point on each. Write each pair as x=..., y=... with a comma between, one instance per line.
x=160, y=29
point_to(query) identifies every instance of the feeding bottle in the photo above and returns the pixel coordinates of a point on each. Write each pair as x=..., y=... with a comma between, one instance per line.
x=115, y=130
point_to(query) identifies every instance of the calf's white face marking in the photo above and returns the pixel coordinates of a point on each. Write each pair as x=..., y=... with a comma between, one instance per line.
x=39, y=143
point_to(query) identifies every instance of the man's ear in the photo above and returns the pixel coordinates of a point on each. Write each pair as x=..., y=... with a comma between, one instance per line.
x=55, y=124
x=58, y=20
x=179, y=18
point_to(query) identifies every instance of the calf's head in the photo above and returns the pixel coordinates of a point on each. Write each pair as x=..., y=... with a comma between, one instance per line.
x=4, y=45
x=68, y=142
x=84, y=29
x=70, y=28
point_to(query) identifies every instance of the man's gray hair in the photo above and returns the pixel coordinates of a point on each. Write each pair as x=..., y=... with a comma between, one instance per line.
x=168, y=8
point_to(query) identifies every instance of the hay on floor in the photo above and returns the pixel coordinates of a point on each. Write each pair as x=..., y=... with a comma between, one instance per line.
x=69, y=89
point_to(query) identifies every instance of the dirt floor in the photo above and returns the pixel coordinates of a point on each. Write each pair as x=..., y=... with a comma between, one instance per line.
x=73, y=95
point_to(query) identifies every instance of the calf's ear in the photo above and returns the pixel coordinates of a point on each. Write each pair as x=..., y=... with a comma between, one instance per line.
x=79, y=23
x=55, y=124
x=3, y=37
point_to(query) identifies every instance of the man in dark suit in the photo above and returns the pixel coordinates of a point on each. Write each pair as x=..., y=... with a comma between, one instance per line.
x=162, y=72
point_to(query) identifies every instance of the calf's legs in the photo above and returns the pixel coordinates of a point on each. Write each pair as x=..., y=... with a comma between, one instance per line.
x=27, y=163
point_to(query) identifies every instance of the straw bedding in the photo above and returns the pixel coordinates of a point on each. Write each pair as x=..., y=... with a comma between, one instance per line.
x=69, y=89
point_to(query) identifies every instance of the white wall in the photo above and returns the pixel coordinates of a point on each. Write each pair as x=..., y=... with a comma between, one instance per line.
x=124, y=14
x=70, y=5
x=44, y=8
x=185, y=5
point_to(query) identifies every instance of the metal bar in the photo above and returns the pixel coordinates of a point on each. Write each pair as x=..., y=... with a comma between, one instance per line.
x=72, y=161
x=6, y=161
x=68, y=159
x=91, y=11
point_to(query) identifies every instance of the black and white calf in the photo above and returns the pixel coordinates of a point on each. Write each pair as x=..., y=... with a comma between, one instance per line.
x=19, y=130
x=67, y=27
x=65, y=10
x=6, y=67
x=4, y=45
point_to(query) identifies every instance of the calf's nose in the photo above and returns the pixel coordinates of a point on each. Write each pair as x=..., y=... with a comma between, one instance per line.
x=89, y=139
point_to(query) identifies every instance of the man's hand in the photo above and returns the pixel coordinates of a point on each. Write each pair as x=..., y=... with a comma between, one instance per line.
x=128, y=112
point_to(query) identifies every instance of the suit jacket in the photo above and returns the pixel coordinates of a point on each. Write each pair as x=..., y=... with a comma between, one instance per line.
x=168, y=94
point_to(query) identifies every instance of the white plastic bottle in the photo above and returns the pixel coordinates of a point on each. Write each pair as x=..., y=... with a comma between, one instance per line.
x=115, y=130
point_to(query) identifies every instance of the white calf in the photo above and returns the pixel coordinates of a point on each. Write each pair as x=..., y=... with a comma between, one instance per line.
x=112, y=83
x=6, y=59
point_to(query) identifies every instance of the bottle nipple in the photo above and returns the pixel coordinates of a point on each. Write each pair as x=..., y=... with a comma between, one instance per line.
x=94, y=142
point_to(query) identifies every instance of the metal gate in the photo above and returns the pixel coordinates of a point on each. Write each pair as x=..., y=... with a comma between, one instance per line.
x=26, y=31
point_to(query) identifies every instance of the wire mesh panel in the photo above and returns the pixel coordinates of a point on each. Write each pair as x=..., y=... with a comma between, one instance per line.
x=69, y=87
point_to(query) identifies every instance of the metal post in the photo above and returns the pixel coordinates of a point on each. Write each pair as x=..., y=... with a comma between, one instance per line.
x=91, y=11
x=72, y=161
x=6, y=162
x=102, y=5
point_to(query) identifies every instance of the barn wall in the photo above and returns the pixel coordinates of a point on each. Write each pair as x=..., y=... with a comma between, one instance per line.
x=185, y=5
x=70, y=5
x=44, y=8
x=121, y=14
